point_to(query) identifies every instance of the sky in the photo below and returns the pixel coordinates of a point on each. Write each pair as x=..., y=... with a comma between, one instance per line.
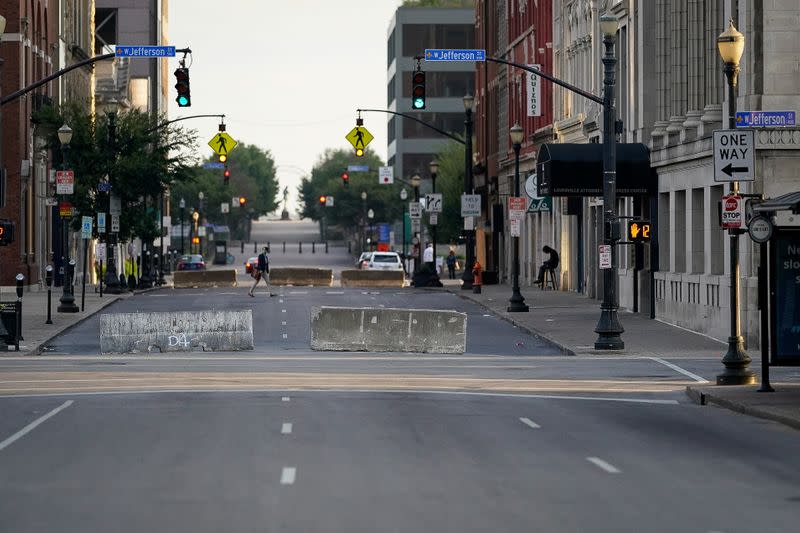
x=288, y=74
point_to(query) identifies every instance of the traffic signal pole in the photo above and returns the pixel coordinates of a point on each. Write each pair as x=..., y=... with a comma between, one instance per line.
x=415, y=119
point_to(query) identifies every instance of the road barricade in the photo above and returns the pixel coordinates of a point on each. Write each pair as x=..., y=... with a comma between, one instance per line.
x=373, y=278
x=190, y=279
x=182, y=331
x=315, y=277
x=356, y=329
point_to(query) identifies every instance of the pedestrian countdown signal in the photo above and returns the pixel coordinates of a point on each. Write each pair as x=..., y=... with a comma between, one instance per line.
x=639, y=231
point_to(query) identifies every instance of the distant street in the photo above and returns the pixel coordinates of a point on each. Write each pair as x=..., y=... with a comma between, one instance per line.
x=510, y=436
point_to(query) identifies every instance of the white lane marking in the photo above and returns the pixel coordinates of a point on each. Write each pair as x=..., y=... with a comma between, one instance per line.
x=334, y=292
x=285, y=335
x=283, y=310
x=346, y=390
x=676, y=368
x=285, y=399
x=280, y=301
x=286, y=428
x=283, y=323
x=298, y=292
x=611, y=469
x=288, y=475
x=30, y=427
x=530, y=423
x=229, y=293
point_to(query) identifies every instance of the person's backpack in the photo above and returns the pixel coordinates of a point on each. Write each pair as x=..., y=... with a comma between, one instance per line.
x=263, y=262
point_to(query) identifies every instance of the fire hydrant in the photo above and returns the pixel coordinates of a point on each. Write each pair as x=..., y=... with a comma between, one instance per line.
x=477, y=280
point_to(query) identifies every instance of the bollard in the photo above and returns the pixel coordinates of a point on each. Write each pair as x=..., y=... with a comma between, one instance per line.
x=313, y=247
x=349, y=247
x=300, y=247
x=18, y=308
x=131, y=280
x=268, y=248
x=101, y=278
x=255, y=247
x=122, y=283
x=284, y=246
x=326, y=247
x=48, y=279
x=242, y=246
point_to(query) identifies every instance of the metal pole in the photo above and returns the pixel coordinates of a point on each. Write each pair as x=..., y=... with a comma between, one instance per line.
x=418, y=255
x=763, y=305
x=467, y=278
x=433, y=228
x=67, y=300
x=183, y=211
x=405, y=249
x=112, y=279
x=608, y=328
x=737, y=362
x=517, y=301
x=85, y=260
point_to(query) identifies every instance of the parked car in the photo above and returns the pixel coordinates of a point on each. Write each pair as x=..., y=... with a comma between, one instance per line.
x=248, y=267
x=363, y=261
x=385, y=261
x=192, y=262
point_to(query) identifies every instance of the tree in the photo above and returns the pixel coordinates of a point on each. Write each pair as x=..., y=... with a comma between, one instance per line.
x=450, y=182
x=347, y=212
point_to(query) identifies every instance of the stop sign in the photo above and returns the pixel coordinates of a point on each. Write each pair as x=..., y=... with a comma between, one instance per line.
x=732, y=212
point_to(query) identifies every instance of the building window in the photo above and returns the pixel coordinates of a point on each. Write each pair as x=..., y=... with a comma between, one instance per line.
x=417, y=164
x=390, y=48
x=450, y=122
x=418, y=37
x=106, y=29
x=679, y=225
x=390, y=92
x=392, y=134
x=717, y=247
x=698, y=232
x=664, y=225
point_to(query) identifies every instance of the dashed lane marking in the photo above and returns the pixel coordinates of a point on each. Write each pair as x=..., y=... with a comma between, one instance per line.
x=288, y=475
x=30, y=427
x=603, y=465
x=286, y=428
x=285, y=335
x=530, y=423
x=285, y=399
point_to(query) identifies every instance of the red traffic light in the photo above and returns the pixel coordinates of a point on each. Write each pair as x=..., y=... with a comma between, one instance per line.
x=242, y=200
x=323, y=200
x=227, y=173
x=345, y=179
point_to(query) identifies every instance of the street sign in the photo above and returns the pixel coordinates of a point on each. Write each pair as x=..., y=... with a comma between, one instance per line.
x=469, y=223
x=65, y=209
x=448, y=54
x=415, y=210
x=103, y=186
x=166, y=221
x=385, y=175
x=517, y=205
x=65, y=182
x=358, y=168
x=515, y=224
x=359, y=137
x=329, y=201
x=765, y=119
x=538, y=204
x=100, y=251
x=201, y=231
x=433, y=202
x=144, y=51
x=534, y=93
x=213, y=165
x=115, y=205
x=605, y=256
x=86, y=227
x=416, y=225
x=224, y=207
x=101, y=222
x=114, y=223
x=50, y=202
x=433, y=219
x=470, y=205
x=733, y=211
x=222, y=143
x=733, y=155
x=760, y=229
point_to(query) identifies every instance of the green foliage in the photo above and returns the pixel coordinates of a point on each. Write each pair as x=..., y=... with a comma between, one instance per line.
x=141, y=164
x=450, y=182
x=347, y=212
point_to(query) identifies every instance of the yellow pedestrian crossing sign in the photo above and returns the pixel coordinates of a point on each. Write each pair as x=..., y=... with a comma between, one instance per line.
x=359, y=137
x=222, y=143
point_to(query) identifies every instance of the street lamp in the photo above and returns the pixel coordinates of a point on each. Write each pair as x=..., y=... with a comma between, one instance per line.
x=517, y=301
x=67, y=300
x=433, y=166
x=608, y=328
x=415, y=182
x=363, y=221
x=195, y=218
x=467, y=278
x=182, y=205
x=737, y=363
x=403, y=198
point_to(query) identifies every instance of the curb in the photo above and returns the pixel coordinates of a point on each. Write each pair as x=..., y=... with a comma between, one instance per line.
x=531, y=331
x=703, y=398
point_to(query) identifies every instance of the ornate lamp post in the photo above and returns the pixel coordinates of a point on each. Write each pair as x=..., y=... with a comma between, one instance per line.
x=363, y=221
x=182, y=205
x=737, y=363
x=469, y=186
x=67, y=300
x=370, y=216
x=415, y=182
x=403, y=198
x=517, y=301
x=433, y=166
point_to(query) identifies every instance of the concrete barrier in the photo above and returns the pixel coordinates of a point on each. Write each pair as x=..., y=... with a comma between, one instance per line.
x=373, y=278
x=317, y=277
x=388, y=330
x=188, y=279
x=183, y=331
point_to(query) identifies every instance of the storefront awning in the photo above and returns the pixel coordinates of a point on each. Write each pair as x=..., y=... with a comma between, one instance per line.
x=786, y=202
x=577, y=170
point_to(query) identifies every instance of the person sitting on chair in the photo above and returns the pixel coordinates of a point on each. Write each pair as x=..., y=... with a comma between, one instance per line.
x=550, y=263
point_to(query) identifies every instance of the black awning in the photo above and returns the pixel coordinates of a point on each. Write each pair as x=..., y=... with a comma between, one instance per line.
x=785, y=202
x=577, y=170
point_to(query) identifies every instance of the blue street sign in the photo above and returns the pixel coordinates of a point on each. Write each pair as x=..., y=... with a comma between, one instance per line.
x=765, y=119
x=213, y=165
x=358, y=168
x=103, y=186
x=444, y=54
x=145, y=51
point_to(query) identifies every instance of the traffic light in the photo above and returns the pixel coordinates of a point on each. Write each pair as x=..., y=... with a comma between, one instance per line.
x=323, y=200
x=6, y=232
x=195, y=240
x=242, y=201
x=359, y=152
x=639, y=231
x=227, y=174
x=418, y=90
x=184, y=98
x=223, y=158
x=345, y=179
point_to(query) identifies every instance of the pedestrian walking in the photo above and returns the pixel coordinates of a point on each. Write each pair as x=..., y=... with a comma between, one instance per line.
x=452, y=264
x=261, y=271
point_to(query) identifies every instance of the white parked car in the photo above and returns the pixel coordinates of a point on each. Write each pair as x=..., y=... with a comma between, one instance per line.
x=363, y=261
x=384, y=261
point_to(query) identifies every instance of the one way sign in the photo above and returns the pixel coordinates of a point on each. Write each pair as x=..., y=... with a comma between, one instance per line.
x=734, y=152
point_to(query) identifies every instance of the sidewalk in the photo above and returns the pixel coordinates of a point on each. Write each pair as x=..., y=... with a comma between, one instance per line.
x=35, y=332
x=567, y=320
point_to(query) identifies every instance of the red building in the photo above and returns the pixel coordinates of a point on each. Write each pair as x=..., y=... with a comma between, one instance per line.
x=519, y=31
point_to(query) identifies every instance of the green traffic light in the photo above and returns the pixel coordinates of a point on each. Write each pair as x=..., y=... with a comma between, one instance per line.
x=183, y=101
x=419, y=103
